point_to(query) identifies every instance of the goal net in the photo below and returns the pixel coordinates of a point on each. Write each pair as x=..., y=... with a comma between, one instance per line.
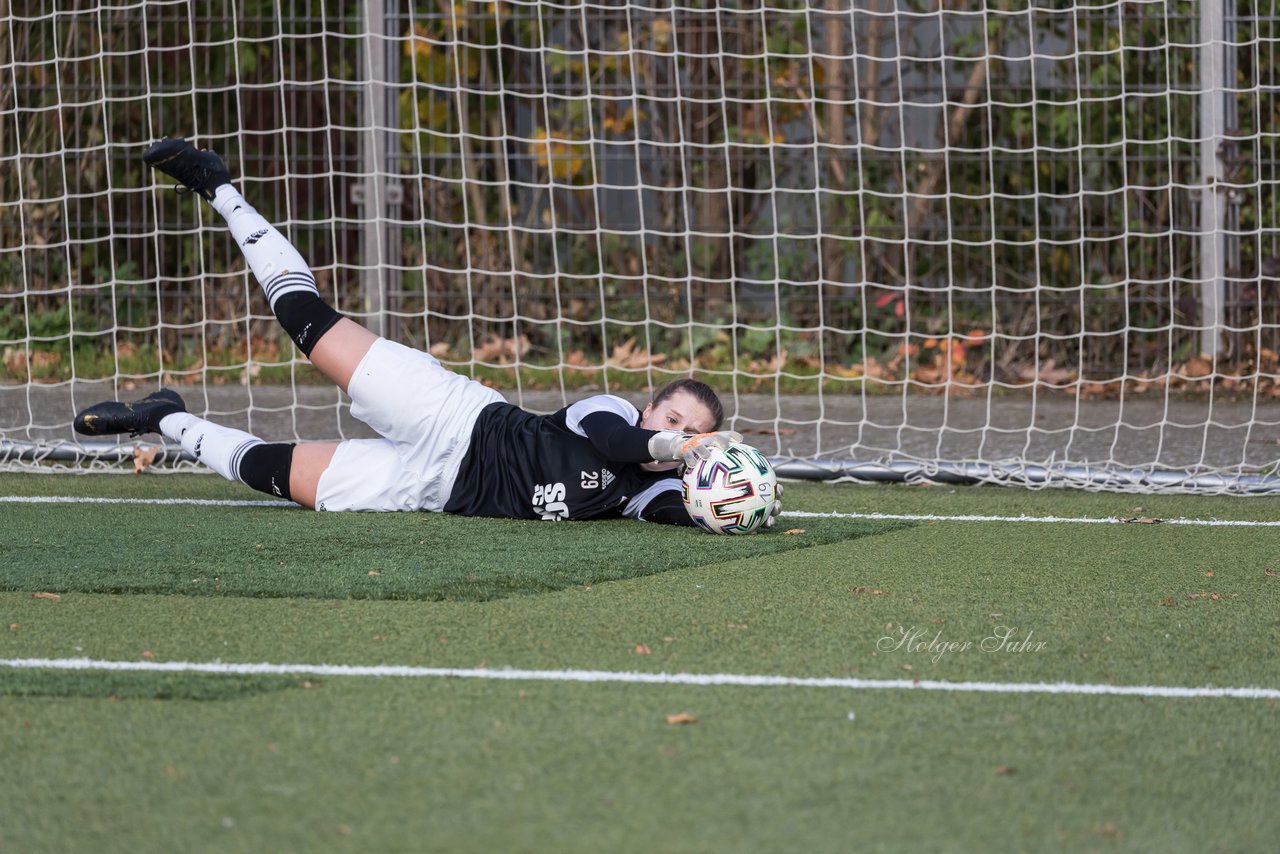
x=1027, y=241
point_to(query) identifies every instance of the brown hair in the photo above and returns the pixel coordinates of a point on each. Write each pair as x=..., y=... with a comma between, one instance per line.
x=704, y=393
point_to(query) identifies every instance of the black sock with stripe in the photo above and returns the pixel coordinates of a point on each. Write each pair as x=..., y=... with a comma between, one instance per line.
x=265, y=467
x=305, y=317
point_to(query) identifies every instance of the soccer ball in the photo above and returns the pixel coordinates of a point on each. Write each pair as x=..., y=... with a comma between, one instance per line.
x=732, y=492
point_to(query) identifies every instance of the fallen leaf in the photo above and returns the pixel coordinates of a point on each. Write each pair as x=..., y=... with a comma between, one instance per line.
x=148, y=655
x=44, y=359
x=1048, y=374
x=373, y=573
x=1269, y=573
x=502, y=350
x=1195, y=367
x=143, y=457
x=643, y=649
x=629, y=355
x=15, y=360
x=46, y=595
x=13, y=627
x=1209, y=574
x=1167, y=601
x=1005, y=770
x=682, y=718
x=794, y=531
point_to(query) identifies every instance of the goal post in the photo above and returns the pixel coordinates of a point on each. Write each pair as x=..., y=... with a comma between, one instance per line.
x=1006, y=241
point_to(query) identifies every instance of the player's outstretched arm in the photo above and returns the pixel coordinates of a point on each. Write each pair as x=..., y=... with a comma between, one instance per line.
x=690, y=448
x=617, y=440
x=667, y=508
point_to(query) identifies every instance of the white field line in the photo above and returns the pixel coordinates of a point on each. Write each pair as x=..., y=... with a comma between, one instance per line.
x=790, y=514
x=1080, y=520
x=189, y=502
x=632, y=677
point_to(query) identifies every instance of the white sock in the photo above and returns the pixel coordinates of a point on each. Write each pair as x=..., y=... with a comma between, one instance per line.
x=220, y=448
x=276, y=264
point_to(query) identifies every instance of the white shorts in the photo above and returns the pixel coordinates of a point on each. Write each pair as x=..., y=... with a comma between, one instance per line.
x=425, y=412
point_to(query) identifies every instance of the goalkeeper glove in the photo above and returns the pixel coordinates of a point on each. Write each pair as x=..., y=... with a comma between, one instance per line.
x=776, y=509
x=689, y=448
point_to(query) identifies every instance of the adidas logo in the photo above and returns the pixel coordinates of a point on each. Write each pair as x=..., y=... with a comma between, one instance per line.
x=255, y=237
x=606, y=478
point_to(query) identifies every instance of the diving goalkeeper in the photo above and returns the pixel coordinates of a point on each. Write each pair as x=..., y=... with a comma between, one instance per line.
x=447, y=443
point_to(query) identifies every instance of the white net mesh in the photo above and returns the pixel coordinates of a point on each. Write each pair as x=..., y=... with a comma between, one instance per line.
x=1012, y=240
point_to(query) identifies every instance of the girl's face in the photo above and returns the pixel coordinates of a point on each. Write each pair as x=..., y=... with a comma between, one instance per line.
x=681, y=411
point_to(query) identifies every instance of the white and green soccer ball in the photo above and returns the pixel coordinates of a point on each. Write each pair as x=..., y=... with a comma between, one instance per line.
x=732, y=492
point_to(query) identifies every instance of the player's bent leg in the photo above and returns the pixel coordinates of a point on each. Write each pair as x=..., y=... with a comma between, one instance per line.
x=310, y=459
x=370, y=475
x=236, y=455
x=285, y=277
x=426, y=410
x=280, y=269
x=340, y=350
x=291, y=291
x=407, y=396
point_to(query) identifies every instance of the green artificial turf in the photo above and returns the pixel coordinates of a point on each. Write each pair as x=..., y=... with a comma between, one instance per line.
x=463, y=766
x=139, y=686
x=272, y=551
x=197, y=762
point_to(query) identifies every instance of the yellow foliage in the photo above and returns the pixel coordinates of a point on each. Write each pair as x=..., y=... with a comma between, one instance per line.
x=417, y=45
x=565, y=159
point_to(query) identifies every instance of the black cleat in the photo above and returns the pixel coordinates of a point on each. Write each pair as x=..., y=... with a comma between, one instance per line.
x=142, y=416
x=199, y=171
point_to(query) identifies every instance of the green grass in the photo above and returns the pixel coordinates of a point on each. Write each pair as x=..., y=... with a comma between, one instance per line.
x=294, y=552
x=449, y=766
x=202, y=763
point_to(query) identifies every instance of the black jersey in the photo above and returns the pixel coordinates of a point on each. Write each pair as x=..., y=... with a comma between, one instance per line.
x=527, y=466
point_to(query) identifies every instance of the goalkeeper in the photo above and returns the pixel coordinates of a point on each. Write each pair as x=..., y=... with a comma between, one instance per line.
x=448, y=443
